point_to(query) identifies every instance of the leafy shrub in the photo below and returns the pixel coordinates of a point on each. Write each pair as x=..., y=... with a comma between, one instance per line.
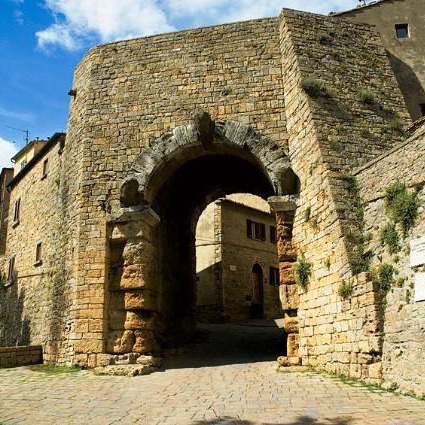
x=402, y=206
x=315, y=88
x=345, y=289
x=390, y=238
x=302, y=270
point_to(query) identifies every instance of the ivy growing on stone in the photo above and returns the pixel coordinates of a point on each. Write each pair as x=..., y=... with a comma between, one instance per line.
x=402, y=206
x=390, y=238
x=302, y=271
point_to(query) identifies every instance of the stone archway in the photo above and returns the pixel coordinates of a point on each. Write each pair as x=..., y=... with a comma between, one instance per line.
x=152, y=277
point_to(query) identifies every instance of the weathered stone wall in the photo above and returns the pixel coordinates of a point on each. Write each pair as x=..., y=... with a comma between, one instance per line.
x=21, y=356
x=130, y=93
x=239, y=254
x=31, y=309
x=327, y=139
x=403, y=356
x=5, y=177
x=406, y=54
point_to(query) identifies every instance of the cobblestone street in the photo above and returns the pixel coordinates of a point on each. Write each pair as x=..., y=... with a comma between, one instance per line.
x=209, y=384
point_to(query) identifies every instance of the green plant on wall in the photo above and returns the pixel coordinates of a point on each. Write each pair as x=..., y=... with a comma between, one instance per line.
x=366, y=97
x=302, y=271
x=345, y=289
x=385, y=277
x=402, y=206
x=390, y=238
x=314, y=88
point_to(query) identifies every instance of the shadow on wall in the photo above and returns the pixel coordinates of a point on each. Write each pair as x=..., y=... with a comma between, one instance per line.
x=14, y=328
x=301, y=420
x=409, y=84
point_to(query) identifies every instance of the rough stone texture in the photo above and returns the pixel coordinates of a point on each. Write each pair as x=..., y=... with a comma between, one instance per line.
x=325, y=144
x=406, y=54
x=132, y=140
x=403, y=356
x=5, y=177
x=34, y=310
x=21, y=356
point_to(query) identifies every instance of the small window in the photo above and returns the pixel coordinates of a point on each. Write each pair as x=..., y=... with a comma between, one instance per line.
x=38, y=254
x=23, y=164
x=255, y=230
x=422, y=106
x=11, y=274
x=45, y=168
x=402, y=30
x=274, y=276
x=273, y=234
x=17, y=212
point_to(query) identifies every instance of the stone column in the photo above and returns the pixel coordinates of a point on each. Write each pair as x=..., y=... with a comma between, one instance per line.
x=285, y=207
x=133, y=286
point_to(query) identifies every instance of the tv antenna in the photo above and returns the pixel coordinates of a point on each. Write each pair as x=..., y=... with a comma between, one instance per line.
x=27, y=133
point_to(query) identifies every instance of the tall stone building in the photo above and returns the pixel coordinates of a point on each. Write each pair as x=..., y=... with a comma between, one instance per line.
x=236, y=261
x=400, y=24
x=302, y=110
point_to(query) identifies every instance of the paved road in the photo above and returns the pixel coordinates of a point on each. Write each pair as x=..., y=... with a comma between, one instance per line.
x=213, y=383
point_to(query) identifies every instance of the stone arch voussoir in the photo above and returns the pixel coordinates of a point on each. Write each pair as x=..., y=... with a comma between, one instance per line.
x=273, y=158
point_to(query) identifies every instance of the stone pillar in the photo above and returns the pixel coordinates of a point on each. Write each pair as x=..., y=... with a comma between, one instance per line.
x=285, y=207
x=133, y=286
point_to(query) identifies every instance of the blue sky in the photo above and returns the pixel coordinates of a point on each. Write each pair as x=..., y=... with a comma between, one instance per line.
x=41, y=41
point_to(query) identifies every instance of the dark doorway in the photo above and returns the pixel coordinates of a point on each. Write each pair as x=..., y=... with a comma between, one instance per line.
x=257, y=307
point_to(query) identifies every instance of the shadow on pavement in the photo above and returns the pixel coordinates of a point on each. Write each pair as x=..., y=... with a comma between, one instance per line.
x=301, y=420
x=226, y=344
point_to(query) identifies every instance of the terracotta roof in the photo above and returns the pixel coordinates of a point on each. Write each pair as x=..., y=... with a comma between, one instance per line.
x=359, y=7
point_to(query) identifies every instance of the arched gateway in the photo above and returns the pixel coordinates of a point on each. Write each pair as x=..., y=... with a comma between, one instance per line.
x=152, y=277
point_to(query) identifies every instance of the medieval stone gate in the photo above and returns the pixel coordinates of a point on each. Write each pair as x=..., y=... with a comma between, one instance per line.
x=152, y=282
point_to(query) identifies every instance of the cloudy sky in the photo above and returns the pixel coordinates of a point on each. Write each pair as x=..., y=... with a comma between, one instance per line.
x=42, y=40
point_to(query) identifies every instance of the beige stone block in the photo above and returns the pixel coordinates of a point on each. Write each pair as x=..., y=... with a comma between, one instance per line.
x=293, y=343
x=138, y=320
x=140, y=300
x=88, y=346
x=145, y=343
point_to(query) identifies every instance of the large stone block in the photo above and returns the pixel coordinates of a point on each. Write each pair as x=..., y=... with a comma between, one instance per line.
x=140, y=300
x=137, y=320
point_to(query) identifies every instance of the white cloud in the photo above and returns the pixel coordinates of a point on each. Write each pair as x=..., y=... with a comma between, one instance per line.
x=79, y=22
x=103, y=20
x=7, y=151
x=21, y=116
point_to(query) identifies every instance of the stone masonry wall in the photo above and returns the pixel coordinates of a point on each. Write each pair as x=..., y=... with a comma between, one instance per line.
x=404, y=338
x=239, y=254
x=132, y=92
x=21, y=356
x=327, y=140
x=31, y=309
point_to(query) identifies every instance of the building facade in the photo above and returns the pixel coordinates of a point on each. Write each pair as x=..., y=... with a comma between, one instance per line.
x=301, y=110
x=236, y=262
x=400, y=24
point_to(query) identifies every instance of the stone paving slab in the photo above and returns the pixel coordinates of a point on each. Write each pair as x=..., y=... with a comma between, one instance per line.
x=244, y=394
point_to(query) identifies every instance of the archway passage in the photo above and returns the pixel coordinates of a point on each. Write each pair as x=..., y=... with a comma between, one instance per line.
x=153, y=240
x=179, y=202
